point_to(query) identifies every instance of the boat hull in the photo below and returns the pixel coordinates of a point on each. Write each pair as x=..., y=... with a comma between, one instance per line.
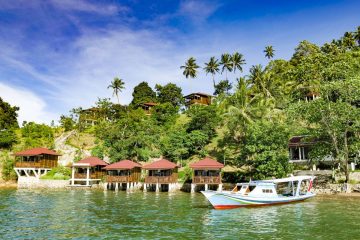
x=228, y=200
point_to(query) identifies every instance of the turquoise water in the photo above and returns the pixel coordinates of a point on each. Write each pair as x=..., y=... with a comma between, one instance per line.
x=86, y=214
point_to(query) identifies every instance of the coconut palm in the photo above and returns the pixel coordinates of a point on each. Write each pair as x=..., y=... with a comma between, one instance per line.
x=190, y=68
x=212, y=67
x=261, y=81
x=226, y=63
x=240, y=109
x=357, y=35
x=117, y=85
x=348, y=40
x=269, y=51
x=238, y=61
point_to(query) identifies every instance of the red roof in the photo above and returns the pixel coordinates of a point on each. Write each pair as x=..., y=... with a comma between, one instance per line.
x=160, y=164
x=37, y=151
x=207, y=163
x=93, y=161
x=124, y=164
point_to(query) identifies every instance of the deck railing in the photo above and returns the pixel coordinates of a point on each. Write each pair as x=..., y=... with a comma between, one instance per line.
x=94, y=175
x=120, y=178
x=207, y=179
x=36, y=164
x=161, y=179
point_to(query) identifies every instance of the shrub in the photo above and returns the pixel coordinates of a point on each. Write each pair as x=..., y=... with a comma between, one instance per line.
x=58, y=173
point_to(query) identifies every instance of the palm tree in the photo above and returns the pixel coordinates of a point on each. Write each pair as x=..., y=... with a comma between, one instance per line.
x=212, y=67
x=348, y=40
x=226, y=63
x=269, y=51
x=117, y=85
x=357, y=35
x=261, y=80
x=237, y=61
x=240, y=109
x=190, y=68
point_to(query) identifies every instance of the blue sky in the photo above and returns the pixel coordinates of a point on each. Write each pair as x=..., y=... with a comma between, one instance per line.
x=60, y=54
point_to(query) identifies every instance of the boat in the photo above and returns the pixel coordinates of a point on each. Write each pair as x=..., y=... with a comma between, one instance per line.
x=263, y=193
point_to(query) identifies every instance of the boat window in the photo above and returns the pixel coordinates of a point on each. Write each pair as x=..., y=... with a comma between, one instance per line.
x=304, y=186
x=267, y=191
x=287, y=188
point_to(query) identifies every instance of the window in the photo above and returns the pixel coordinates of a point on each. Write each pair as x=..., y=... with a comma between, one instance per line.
x=267, y=191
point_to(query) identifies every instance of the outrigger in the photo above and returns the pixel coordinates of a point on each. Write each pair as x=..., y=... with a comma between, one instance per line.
x=262, y=193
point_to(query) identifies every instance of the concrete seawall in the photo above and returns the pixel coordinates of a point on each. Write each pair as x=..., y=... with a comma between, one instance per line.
x=32, y=182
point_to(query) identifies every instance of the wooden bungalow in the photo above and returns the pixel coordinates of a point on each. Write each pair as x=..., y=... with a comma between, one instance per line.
x=147, y=107
x=299, y=149
x=161, y=174
x=35, y=162
x=87, y=171
x=206, y=172
x=89, y=117
x=125, y=174
x=198, y=99
x=311, y=96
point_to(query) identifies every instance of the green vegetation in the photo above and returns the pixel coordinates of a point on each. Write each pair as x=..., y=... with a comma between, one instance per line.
x=8, y=124
x=58, y=173
x=316, y=93
x=7, y=166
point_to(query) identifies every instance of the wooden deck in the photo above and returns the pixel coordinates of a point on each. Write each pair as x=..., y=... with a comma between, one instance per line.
x=95, y=175
x=121, y=179
x=37, y=164
x=206, y=180
x=161, y=179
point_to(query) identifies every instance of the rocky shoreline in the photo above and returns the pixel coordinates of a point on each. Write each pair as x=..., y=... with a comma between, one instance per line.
x=350, y=190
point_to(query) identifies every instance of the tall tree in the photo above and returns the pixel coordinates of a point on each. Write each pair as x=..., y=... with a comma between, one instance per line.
x=357, y=35
x=8, y=123
x=117, y=85
x=334, y=120
x=212, y=67
x=169, y=93
x=143, y=93
x=226, y=63
x=269, y=52
x=238, y=61
x=348, y=40
x=190, y=68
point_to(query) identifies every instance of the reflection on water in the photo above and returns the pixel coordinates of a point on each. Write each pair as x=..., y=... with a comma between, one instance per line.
x=85, y=214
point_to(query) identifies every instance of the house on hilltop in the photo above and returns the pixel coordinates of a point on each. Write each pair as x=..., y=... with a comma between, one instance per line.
x=198, y=99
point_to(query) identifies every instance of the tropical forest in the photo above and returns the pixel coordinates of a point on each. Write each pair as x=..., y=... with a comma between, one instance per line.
x=246, y=125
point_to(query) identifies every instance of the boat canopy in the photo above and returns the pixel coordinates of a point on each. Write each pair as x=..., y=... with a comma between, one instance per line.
x=275, y=181
x=290, y=179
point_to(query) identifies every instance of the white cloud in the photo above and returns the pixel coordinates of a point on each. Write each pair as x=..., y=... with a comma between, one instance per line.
x=86, y=6
x=197, y=10
x=32, y=107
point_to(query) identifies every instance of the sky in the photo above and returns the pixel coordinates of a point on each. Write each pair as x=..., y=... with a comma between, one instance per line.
x=56, y=55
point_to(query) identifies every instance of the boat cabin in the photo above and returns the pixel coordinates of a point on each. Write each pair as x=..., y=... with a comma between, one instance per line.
x=206, y=172
x=161, y=175
x=35, y=162
x=147, y=107
x=87, y=171
x=284, y=187
x=125, y=174
x=198, y=99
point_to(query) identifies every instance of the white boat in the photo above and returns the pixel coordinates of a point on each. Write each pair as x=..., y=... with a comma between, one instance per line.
x=261, y=193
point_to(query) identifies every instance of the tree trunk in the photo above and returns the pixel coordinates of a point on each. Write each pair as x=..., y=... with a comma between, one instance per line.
x=213, y=80
x=346, y=157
